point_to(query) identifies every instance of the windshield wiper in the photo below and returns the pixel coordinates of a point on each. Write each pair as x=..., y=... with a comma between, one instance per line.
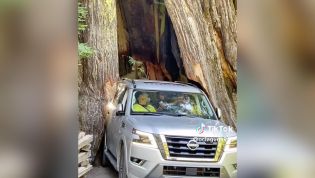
x=147, y=113
x=178, y=114
x=158, y=114
x=164, y=113
x=187, y=115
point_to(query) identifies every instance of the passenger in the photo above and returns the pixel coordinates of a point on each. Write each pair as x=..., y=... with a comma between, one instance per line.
x=163, y=105
x=142, y=104
x=186, y=106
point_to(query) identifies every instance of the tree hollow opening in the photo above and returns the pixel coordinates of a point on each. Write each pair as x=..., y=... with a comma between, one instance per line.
x=147, y=43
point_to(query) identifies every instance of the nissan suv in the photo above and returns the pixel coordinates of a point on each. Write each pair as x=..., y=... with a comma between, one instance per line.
x=167, y=129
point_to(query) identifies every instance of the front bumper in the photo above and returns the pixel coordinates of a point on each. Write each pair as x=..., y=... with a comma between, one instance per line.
x=152, y=167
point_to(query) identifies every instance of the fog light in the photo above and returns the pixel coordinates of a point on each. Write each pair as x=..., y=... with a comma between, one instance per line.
x=137, y=161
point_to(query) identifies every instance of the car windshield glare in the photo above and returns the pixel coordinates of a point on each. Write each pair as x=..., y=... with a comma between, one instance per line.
x=171, y=103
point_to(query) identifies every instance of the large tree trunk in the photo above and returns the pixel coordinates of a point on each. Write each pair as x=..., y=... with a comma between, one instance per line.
x=206, y=35
x=100, y=72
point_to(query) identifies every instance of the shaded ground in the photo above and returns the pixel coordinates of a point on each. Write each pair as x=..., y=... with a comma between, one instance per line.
x=101, y=172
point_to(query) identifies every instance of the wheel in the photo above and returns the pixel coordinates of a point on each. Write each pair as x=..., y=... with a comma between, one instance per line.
x=122, y=164
x=105, y=161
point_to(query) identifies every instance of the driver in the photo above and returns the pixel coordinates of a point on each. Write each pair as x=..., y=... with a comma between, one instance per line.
x=142, y=104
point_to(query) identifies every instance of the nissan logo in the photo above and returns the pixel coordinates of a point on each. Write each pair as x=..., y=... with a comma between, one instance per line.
x=192, y=144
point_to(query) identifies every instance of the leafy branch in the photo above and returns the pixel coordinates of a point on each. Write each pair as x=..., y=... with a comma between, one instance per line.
x=85, y=51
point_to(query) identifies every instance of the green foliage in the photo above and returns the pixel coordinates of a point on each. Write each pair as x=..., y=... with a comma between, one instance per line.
x=85, y=51
x=141, y=70
x=82, y=15
x=131, y=61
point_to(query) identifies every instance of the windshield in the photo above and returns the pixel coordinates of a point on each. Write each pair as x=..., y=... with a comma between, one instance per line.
x=171, y=103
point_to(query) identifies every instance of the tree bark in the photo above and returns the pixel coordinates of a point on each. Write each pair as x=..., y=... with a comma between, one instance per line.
x=206, y=35
x=100, y=72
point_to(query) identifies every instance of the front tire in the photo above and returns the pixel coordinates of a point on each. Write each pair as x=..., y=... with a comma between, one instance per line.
x=122, y=164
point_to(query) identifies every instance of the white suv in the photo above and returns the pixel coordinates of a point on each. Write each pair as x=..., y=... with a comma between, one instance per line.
x=167, y=129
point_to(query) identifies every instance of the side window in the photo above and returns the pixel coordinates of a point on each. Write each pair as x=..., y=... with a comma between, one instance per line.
x=121, y=89
x=205, y=109
x=124, y=99
x=121, y=97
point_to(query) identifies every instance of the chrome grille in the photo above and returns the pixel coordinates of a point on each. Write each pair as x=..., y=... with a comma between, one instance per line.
x=178, y=148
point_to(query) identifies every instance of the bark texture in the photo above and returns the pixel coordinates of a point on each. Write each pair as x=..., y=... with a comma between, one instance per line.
x=144, y=33
x=100, y=72
x=206, y=35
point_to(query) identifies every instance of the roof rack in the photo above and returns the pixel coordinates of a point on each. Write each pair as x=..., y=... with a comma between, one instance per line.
x=186, y=83
x=131, y=80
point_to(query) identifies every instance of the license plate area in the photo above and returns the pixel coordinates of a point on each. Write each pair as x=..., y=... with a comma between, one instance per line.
x=191, y=171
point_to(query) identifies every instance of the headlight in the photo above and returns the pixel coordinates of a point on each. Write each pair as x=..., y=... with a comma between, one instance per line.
x=231, y=144
x=143, y=138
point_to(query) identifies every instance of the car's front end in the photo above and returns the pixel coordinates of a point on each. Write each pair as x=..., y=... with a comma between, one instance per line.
x=172, y=130
x=180, y=153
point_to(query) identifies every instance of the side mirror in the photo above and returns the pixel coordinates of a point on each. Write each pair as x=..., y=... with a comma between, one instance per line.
x=120, y=110
x=219, y=113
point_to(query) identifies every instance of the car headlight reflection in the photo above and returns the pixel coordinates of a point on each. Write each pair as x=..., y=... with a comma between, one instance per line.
x=143, y=138
x=231, y=144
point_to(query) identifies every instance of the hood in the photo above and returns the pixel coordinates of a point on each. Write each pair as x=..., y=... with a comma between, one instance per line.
x=181, y=126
